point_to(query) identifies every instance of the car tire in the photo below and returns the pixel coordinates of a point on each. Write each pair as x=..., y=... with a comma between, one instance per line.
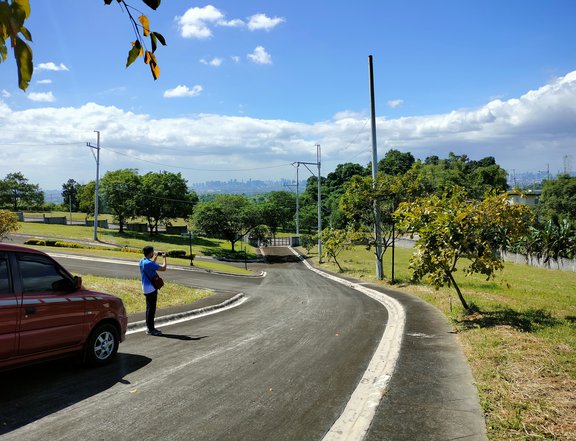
x=102, y=345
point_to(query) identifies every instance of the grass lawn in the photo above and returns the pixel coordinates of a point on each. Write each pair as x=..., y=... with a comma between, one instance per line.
x=130, y=291
x=521, y=342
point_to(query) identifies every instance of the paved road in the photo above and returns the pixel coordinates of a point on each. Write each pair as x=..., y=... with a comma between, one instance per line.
x=279, y=367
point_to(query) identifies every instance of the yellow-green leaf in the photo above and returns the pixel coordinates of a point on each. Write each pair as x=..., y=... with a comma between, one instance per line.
x=145, y=24
x=134, y=53
x=23, y=55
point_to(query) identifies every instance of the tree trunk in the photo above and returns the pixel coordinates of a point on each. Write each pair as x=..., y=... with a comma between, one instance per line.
x=462, y=300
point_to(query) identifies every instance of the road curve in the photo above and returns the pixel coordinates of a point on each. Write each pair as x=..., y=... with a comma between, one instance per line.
x=279, y=367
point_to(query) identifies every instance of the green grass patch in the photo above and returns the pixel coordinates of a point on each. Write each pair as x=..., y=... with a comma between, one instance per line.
x=130, y=291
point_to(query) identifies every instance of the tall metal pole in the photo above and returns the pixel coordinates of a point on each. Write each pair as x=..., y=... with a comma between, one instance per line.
x=319, y=207
x=97, y=157
x=377, y=232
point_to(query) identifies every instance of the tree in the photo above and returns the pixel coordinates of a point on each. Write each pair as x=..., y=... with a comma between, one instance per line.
x=228, y=216
x=16, y=191
x=278, y=210
x=120, y=192
x=86, y=199
x=164, y=197
x=14, y=13
x=8, y=223
x=559, y=198
x=395, y=162
x=70, y=194
x=335, y=241
x=363, y=195
x=454, y=227
x=477, y=177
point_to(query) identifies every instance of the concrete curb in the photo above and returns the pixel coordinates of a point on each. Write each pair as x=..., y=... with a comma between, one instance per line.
x=188, y=315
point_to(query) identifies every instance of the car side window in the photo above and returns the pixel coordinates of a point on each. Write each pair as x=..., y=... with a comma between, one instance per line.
x=4, y=276
x=40, y=274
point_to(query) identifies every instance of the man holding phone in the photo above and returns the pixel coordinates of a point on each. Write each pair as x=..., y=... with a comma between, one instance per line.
x=148, y=268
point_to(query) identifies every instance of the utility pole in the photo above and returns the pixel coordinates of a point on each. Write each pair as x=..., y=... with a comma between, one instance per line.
x=306, y=164
x=97, y=158
x=377, y=232
x=297, y=164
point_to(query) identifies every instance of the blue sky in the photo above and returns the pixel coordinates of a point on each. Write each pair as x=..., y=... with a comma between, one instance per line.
x=247, y=88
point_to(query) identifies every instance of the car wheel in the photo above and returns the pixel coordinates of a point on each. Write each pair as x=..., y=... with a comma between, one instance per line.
x=102, y=345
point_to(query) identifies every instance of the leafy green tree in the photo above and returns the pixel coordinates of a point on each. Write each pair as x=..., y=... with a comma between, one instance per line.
x=16, y=191
x=334, y=241
x=362, y=196
x=477, y=177
x=454, y=227
x=8, y=223
x=120, y=192
x=278, y=210
x=559, y=198
x=70, y=191
x=86, y=199
x=228, y=216
x=13, y=33
x=163, y=197
x=395, y=162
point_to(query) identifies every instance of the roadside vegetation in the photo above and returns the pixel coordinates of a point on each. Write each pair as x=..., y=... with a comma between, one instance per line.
x=520, y=339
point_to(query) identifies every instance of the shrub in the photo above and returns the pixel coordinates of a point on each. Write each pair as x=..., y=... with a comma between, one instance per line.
x=176, y=253
x=38, y=242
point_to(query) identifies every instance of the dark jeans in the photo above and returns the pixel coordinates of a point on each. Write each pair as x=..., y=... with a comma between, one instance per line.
x=151, y=309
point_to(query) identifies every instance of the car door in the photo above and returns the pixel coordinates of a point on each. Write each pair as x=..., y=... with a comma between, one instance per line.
x=8, y=310
x=51, y=315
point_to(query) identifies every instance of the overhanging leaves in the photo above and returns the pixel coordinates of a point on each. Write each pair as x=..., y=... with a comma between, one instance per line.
x=134, y=53
x=154, y=4
x=23, y=55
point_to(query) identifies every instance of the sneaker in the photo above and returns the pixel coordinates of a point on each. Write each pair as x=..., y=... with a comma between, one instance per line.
x=155, y=332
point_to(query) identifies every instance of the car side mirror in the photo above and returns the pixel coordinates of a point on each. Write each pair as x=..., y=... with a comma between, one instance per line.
x=78, y=282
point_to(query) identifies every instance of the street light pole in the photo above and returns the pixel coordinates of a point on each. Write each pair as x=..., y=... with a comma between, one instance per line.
x=377, y=231
x=97, y=158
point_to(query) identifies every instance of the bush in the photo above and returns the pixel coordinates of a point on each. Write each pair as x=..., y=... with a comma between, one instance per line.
x=176, y=253
x=38, y=242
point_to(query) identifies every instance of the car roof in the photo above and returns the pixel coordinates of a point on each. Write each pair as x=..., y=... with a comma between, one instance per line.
x=18, y=248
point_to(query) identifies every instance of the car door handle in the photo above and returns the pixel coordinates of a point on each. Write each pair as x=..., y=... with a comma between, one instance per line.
x=30, y=311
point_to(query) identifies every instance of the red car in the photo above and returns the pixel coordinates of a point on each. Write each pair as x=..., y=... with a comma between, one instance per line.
x=45, y=312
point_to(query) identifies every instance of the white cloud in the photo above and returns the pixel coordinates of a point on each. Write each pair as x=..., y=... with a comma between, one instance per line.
x=524, y=133
x=42, y=97
x=5, y=94
x=235, y=59
x=215, y=62
x=235, y=23
x=52, y=67
x=261, y=21
x=195, y=21
x=260, y=56
x=183, y=91
x=395, y=103
x=44, y=81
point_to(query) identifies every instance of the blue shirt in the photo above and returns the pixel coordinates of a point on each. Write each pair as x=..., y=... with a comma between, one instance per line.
x=147, y=272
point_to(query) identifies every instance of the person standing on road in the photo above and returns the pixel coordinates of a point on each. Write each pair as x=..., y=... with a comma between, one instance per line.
x=148, y=268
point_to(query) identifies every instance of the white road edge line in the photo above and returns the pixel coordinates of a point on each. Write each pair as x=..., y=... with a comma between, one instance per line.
x=355, y=420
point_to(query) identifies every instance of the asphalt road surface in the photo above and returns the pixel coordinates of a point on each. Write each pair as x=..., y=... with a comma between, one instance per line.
x=281, y=366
